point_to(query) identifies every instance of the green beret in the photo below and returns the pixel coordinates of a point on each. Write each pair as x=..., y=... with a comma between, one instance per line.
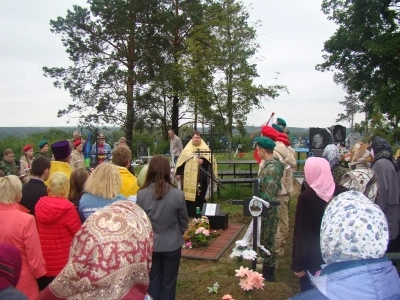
x=277, y=127
x=42, y=143
x=281, y=122
x=265, y=142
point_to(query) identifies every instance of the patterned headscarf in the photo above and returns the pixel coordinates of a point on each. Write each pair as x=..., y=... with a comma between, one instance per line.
x=353, y=228
x=110, y=256
x=10, y=265
x=382, y=149
x=332, y=155
x=360, y=154
x=319, y=177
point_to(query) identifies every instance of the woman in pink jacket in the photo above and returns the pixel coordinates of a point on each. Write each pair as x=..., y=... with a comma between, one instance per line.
x=58, y=221
x=18, y=228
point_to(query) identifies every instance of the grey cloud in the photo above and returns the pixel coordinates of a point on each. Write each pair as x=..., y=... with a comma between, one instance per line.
x=291, y=38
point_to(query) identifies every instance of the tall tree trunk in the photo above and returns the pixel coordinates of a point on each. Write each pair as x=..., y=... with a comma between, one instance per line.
x=175, y=114
x=352, y=123
x=130, y=108
x=175, y=102
x=195, y=116
x=164, y=120
x=229, y=85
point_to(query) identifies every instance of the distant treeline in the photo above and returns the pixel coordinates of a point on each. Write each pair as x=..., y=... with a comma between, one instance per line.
x=23, y=132
x=16, y=137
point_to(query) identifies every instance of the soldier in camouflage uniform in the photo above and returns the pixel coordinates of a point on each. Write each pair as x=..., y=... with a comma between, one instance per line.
x=44, y=150
x=269, y=176
x=8, y=165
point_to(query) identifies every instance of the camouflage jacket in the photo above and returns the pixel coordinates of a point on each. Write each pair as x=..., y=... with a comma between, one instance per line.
x=8, y=168
x=269, y=179
x=44, y=155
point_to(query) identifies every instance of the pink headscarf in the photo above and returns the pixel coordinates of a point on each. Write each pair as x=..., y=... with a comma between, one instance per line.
x=319, y=177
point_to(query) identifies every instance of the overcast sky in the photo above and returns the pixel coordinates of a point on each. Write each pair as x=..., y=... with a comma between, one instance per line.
x=291, y=39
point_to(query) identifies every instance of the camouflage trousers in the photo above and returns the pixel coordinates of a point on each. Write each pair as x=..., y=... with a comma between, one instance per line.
x=282, y=233
x=269, y=226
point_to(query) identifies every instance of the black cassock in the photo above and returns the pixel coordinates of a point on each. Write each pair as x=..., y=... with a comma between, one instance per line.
x=200, y=197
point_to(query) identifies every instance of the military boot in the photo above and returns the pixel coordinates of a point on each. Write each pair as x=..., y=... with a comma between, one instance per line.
x=268, y=273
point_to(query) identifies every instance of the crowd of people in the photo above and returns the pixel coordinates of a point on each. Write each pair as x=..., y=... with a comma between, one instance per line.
x=347, y=218
x=69, y=232
x=63, y=224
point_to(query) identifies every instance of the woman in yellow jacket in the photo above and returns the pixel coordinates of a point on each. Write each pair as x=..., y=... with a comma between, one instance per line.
x=121, y=157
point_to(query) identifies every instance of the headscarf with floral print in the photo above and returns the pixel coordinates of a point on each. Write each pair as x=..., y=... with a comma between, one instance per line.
x=353, y=228
x=110, y=256
x=331, y=154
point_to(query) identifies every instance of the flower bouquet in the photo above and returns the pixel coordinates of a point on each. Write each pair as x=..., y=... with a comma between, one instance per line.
x=198, y=233
x=249, y=280
x=244, y=251
x=345, y=156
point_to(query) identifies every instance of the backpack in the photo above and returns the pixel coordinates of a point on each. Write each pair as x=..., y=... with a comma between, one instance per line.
x=362, y=180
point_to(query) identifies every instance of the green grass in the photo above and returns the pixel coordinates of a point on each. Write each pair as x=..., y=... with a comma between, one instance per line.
x=195, y=276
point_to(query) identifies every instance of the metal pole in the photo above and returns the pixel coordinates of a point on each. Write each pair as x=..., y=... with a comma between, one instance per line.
x=212, y=168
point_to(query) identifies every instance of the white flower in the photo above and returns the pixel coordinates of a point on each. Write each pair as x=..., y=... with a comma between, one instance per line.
x=249, y=254
x=235, y=253
x=241, y=243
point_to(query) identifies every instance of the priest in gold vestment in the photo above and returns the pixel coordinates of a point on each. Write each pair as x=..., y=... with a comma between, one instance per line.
x=194, y=182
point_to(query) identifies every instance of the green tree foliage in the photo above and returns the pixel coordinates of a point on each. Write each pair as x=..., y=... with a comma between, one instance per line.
x=15, y=143
x=352, y=106
x=220, y=69
x=363, y=52
x=165, y=95
x=115, y=47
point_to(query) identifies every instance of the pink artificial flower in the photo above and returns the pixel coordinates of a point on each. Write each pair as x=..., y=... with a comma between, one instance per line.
x=206, y=232
x=257, y=280
x=200, y=230
x=188, y=244
x=227, y=297
x=242, y=272
x=246, y=284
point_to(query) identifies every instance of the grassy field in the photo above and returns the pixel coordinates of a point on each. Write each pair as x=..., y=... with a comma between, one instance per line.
x=196, y=276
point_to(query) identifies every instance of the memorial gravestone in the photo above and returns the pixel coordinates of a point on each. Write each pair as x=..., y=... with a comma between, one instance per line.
x=319, y=139
x=354, y=138
x=339, y=135
x=143, y=152
x=218, y=220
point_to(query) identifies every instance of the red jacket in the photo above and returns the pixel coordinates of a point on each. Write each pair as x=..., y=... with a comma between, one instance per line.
x=57, y=221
